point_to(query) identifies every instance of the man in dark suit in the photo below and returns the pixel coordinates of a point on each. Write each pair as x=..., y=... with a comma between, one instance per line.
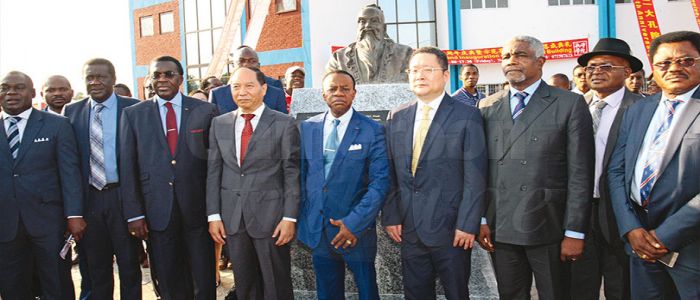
x=654, y=176
x=438, y=172
x=41, y=197
x=163, y=165
x=274, y=99
x=344, y=177
x=95, y=122
x=541, y=158
x=606, y=67
x=253, y=189
x=57, y=93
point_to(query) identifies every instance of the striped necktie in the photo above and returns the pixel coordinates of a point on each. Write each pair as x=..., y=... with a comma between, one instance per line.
x=98, y=179
x=521, y=104
x=13, y=136
x=330, y=148
x=655, y=153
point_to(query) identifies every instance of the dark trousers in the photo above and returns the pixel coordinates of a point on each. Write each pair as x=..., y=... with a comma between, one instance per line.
x=183, y=258
x=261, y=270
x=600, y=260
x=85, y=283
x=515, y=265
x=421, y=264
x=16, y=266
x=657, y=281
x=329, y=265
x=107, y=236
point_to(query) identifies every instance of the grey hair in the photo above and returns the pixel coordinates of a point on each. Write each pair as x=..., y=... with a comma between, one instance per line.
x=534, y=43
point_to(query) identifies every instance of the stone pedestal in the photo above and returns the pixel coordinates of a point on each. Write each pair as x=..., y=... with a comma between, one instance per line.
x=376, y=100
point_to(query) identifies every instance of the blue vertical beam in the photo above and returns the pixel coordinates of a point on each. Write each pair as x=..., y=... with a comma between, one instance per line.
x=306, y=42
x=183, y=48
x=454, y=28
x=606, y=18
x=244, y=22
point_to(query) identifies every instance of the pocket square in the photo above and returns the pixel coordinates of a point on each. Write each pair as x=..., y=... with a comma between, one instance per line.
x=196, y=130
x=40, y=140
x=354, y=147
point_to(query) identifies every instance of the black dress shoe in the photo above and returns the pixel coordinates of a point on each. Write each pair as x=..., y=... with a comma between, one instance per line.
x=231, y=295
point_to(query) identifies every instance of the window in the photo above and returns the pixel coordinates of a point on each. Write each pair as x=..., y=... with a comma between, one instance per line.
x=146, y=26
x=474, y=4
x=204, y=22
x=167, y=22
x=410, y=23
x=286, y=5
x=575, y=2
x=623, y=1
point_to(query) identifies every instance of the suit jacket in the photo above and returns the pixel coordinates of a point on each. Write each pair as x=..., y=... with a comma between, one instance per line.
x=79, y=115
x=356, y=185
x=447, y=191
x=391, y=67
x=266, y=188
x=43, y=184
x=540, y=166
x=275, y=97
x=151, y=179
x=674, y=208
x=606, y=216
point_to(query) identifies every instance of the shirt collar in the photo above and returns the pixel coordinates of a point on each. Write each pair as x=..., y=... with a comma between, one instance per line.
x=464, y=90
x=529, y=90
x=344, y=119
x=108, y=104
x=613, y=99
x=685, y=97
x=176, y=101
x=24, y=115
x=434, y=104
x=258, y=112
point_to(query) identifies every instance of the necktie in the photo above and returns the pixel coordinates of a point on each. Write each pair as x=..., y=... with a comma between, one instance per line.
x=655, y=152
x=98, y=179
x=331, y=147
x=521, y=104
x=597, y=113
x=171, y=128
x=420, y=138
x=246, y=134
x=13, y=136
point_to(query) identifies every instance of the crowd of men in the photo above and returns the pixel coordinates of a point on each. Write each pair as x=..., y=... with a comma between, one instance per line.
x=573, y=188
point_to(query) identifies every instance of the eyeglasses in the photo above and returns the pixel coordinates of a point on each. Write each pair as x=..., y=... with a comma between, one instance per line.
x=167, y=74
x=423, y=71
x=685, y=62
x=603, y=68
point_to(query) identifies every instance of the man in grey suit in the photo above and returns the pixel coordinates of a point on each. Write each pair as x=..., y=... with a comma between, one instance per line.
x=41, y=196
x=438, y=174
x=607, y=67
x=253, y=189
x=654, y=175
x=541, y=155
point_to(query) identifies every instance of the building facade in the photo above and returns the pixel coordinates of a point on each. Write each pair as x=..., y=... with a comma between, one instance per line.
x=305, y=32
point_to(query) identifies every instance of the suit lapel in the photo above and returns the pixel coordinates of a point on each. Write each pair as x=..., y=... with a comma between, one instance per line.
x=84, y=122
x=538, y=103
x=689, y=116
x=407, y=127
x=34, y=124
x=437, y=126
x=157, y=125
x=615, y=128
x=4, y=144
x=349, y=137
x=182, y=131
x=640, y=131
x=317, y=140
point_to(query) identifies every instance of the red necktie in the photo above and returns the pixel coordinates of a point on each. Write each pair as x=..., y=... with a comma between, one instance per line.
x=171, y=126
x=246, y=134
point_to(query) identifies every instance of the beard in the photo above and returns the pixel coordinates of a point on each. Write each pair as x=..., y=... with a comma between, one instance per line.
x=369, y=40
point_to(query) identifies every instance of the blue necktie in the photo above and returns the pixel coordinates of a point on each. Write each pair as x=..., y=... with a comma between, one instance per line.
x=655, y=153
x=521, y=104
x=13, y=136
x=331, y=147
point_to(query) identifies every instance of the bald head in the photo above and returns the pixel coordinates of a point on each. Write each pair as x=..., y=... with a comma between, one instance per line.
x=57, y=92
x=246, y=57
x=16, y=92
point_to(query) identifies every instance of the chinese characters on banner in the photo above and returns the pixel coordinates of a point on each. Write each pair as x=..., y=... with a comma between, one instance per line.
x=552, y=50
x=648, y=25
x=696, y=10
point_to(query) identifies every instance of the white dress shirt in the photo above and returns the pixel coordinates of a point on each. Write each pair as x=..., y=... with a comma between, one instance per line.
x=21, y=125
x=434, y=105
x=659, y=118
x=601, y=136
x=342, y=126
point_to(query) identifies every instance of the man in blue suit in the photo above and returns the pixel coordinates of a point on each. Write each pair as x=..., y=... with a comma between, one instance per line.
x=344, y=177
x=654, y=176
x=274, y=97
x=438, y=172
x=95, y=121
x=41, y=196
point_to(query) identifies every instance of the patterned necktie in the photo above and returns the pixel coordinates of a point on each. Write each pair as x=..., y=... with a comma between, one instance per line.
x=98, y=179
x=597, y=113
x=13, y=136
x=330, y=148
x=171, y=127
x=420, y=138
x=521, y=104
x=246, y=134
x=655, y=153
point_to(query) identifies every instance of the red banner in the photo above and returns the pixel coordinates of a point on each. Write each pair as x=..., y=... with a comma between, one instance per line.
x=648, y=25
x=696, y=10
x=566, y=49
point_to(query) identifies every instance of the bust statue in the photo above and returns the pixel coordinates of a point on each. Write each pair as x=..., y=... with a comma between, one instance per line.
x=373, y=57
